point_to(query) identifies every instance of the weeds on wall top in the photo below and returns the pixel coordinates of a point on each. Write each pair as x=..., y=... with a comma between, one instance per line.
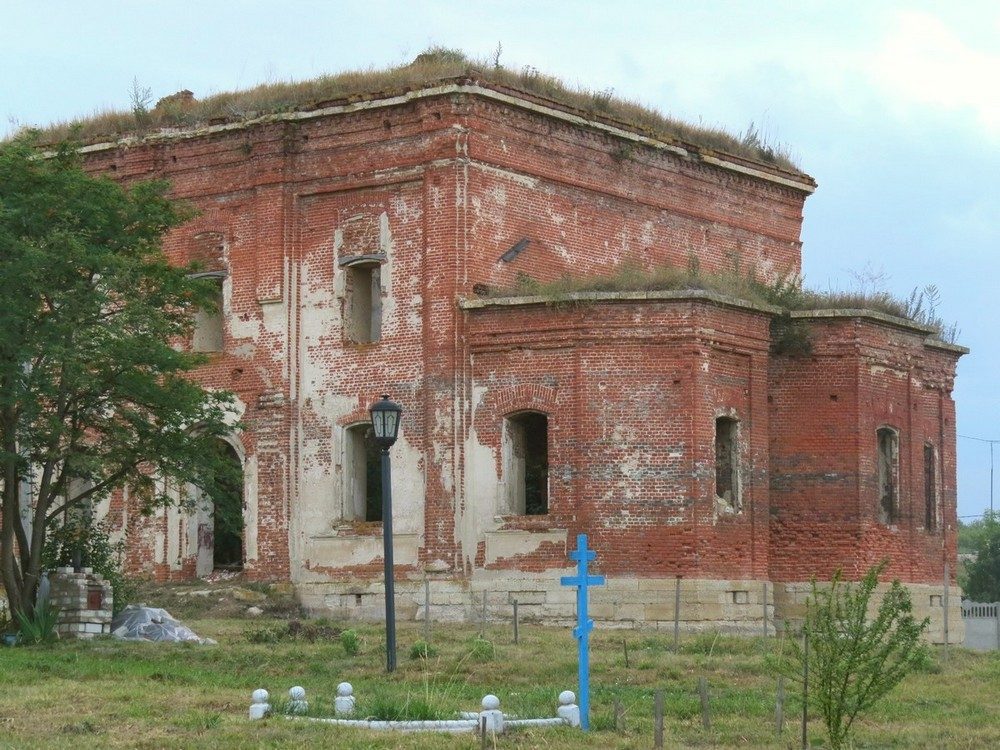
x=746, y=282
x=435, y=65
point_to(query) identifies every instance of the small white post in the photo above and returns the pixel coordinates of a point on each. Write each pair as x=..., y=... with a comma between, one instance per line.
x=297, y=703
x=491, y=717
x=343, y=704
x=259, y=707
x=568, y=711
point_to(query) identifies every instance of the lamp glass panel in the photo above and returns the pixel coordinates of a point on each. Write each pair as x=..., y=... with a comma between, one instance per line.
x=378, y=423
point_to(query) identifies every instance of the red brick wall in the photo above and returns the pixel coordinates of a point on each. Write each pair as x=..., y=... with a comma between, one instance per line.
x=632, y=389
x=636, y=389
x=825, y=411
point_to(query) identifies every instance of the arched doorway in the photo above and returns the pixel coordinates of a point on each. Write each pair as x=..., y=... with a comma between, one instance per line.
x=220, y=518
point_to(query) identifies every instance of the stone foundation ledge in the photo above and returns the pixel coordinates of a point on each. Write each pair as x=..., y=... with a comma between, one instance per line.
x=732, y=605
x=928, y=601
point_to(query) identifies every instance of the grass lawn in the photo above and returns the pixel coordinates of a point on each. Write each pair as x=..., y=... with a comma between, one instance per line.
x=106, y=694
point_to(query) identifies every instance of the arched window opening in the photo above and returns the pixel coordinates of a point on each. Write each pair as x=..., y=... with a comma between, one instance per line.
x=727, y=463
x=363, y=475
x=217, y=515
x=930, y=488
x=227, y=512
x=888, y=475
x=526, y=463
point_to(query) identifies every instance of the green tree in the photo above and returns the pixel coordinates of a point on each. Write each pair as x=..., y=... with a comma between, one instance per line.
x=93, y=396
x=971, y=534
x=982, y=582
x=855, y=660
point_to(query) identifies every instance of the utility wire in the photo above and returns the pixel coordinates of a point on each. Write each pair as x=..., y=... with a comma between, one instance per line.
x=991, y=443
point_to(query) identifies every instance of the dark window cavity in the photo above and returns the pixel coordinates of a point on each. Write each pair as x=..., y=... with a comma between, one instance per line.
x=888, y=475
x=227, y=512
x=526, y=453
x=363, y=302
x=208, y=323
x=930, y=488
x=727, y=464
x=363, y=475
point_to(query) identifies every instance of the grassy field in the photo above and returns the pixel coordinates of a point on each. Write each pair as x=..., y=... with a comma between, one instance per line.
x=106, y=694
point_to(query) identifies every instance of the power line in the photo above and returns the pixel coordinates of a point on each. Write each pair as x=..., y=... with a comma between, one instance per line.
x=991, y=444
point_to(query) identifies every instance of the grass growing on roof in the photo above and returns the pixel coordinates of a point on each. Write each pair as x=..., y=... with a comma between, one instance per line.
x=437, y=64
x=743, y=282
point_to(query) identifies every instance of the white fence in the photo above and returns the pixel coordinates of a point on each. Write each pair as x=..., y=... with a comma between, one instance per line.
x=982, y=625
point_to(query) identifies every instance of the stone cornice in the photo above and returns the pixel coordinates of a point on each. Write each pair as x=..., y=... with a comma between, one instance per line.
x=789, y=179
x=875, y=316
x=683, y=295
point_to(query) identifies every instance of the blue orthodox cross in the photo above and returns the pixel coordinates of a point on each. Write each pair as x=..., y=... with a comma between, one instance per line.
x=584, y=624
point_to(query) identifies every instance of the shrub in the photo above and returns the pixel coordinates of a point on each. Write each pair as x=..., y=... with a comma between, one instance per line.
x=320, y=630
x=264, y=634
x=482, y=649
x=422, y=650
x=853, y=661
x=93, y=541
x=351, y=642
x=39, y=627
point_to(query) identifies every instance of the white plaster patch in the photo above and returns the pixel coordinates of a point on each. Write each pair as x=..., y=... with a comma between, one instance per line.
x=516, y=177
x=351, y=550
x=647, y=234
x=481, y=486
x=880, y=370
x=501, y=545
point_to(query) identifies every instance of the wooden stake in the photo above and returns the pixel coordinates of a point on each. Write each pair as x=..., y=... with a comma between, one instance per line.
x=779, y=707
x=427, y=609
x=625, y=646
x=516, y=636
x=677, y=612
x=764, y=606
x=482, y=731
x=805, y=688
x=619, y=716
x=706, y=719
x=944, y=600
x=658, y=720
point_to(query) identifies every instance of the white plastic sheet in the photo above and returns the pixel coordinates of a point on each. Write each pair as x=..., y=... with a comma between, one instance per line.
x=139, y=623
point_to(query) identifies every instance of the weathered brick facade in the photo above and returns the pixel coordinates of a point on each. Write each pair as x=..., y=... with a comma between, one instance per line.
x=427, y=191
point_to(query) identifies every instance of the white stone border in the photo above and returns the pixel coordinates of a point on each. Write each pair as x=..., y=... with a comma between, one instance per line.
x=490, y=717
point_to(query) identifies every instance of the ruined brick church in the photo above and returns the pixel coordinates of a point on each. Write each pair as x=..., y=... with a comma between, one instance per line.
x=358, y=247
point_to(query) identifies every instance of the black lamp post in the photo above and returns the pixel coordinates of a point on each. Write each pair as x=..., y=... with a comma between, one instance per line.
x=385, y=425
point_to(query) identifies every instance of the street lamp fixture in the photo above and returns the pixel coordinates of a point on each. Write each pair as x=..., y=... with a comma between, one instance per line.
x=385, y=416
x=385, y=422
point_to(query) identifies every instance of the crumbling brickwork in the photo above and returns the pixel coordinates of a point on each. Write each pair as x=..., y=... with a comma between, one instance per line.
x=354, y=244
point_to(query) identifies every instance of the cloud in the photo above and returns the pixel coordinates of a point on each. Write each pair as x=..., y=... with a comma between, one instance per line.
x=923, y=63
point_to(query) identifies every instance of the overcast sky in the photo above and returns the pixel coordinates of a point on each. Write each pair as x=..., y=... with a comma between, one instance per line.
x=894, y=108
